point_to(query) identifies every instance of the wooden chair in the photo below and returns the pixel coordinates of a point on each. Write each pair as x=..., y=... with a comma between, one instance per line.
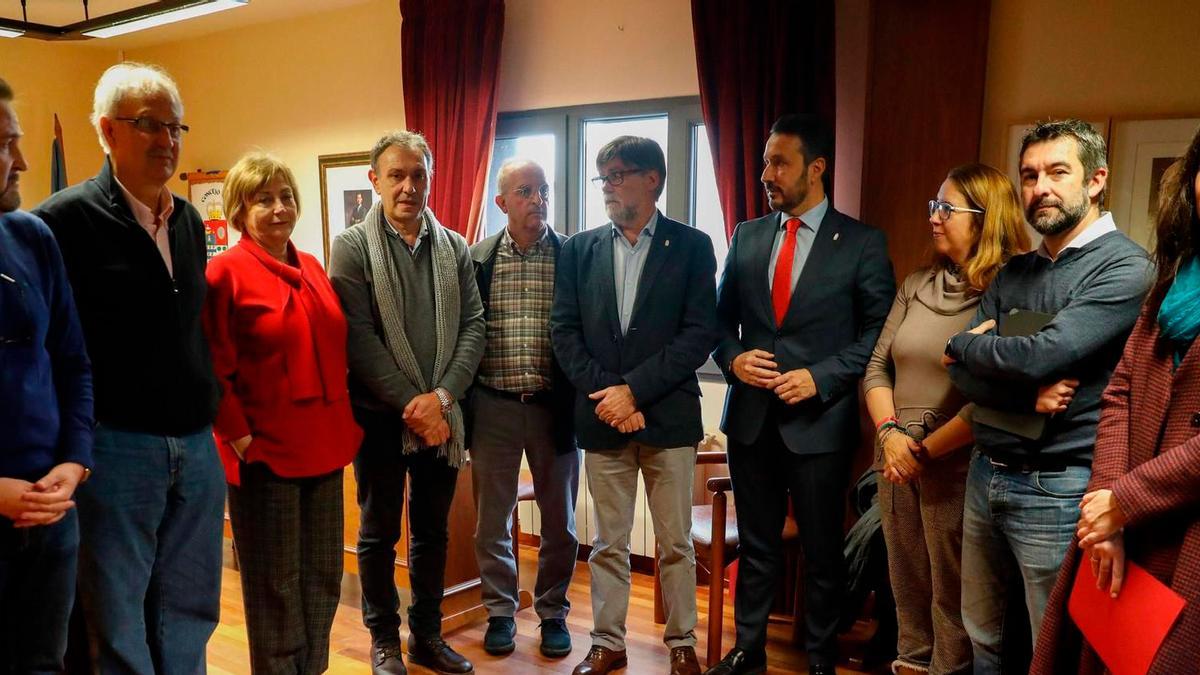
x=524, y=494
x=715, y=538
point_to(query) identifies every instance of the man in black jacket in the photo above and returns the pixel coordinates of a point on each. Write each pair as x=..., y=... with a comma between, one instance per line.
x=633, y=318
x=803, y=297
x=151, y=517
x=521, y=404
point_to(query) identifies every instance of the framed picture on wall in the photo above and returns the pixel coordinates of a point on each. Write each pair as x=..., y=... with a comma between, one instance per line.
x=1016, y=133
x=346, y=193
x=1139, y=153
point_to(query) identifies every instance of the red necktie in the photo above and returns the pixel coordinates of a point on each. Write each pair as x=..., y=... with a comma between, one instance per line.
x=781, y=285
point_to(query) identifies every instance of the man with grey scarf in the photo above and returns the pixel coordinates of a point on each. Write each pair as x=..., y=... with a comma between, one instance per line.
x=416, y=336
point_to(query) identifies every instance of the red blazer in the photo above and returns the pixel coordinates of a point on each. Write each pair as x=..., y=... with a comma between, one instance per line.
x=1148, y=454
x=278, y=341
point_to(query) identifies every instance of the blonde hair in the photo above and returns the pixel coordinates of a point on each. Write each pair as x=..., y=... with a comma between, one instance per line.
x=999, y=232
x=130, y=79
x=254, y=170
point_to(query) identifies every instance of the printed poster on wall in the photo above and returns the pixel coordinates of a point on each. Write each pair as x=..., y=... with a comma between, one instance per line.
x=204, y=192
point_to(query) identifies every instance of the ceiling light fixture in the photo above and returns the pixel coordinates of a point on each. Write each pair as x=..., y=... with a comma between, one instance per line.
x=4, y=32
x=164, y=17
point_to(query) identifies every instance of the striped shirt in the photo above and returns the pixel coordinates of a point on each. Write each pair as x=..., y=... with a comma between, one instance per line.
x=517, y=357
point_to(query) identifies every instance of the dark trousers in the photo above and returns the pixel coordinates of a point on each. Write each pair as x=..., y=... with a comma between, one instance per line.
x=37, y=590
x=288, y=533
x=764, y=475
x=381, y=468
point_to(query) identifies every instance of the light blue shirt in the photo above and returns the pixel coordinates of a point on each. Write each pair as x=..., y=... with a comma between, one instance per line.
x=628, y=261
x=805, y=236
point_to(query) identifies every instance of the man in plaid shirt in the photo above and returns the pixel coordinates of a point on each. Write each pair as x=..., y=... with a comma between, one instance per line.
x=521, y=402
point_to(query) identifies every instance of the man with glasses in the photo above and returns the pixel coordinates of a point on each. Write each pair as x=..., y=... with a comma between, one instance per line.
x=521, y=404
x=633, y=318
x=151, y=518
x=46, y=415
x=803, y=298
x=1078, y=297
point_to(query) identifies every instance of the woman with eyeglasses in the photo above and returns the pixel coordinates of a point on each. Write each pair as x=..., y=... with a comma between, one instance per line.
x=284, y=427
x=922, y=422
x=1141, y=504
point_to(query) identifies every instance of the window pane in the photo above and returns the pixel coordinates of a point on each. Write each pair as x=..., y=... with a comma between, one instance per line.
x=597, y=133
x=540, y=148
x=706, y=205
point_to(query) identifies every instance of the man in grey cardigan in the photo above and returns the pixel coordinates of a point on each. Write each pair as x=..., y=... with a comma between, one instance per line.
x=416, y=335
x=1038, y=392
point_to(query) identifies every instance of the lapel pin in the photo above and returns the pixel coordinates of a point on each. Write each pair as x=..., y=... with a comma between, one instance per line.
x=666, y=242
x=836, y=235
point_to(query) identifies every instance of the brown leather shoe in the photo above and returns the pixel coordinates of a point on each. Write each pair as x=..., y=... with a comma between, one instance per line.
x=683, y=661
x=601, y=660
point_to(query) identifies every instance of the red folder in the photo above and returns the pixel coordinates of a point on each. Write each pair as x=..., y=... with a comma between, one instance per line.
x=1126, y=631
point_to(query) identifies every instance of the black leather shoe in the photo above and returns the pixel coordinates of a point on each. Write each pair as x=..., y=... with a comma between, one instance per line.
x=433, y=653
x=740, y=662
x=386, y=658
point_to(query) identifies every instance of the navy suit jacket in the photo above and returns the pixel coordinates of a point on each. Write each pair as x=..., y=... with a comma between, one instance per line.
x=671, y=332
x=836, y=312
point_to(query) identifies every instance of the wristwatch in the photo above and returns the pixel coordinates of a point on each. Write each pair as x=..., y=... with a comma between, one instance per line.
x=444, y=398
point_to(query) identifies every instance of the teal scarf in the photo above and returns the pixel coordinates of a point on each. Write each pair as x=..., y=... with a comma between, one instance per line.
x=1179, y=315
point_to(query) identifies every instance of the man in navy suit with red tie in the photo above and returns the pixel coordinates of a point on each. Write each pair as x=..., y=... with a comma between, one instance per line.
x=802, y=300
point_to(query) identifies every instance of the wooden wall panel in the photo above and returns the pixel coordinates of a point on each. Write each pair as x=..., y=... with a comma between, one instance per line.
x=925, y=86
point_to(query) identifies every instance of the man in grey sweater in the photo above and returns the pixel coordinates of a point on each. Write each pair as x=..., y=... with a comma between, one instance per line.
x=1039, y=394
x=416, y=335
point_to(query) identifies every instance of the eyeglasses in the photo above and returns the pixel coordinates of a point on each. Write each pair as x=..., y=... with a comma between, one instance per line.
x=151, y=126
x=527, y=192
x=614, y=178
x=946, y=209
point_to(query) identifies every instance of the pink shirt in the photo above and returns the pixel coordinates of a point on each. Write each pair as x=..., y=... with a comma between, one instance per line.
x=155, y=225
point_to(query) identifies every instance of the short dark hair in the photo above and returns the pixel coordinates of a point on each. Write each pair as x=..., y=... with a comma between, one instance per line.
x=816, y=139
x=6, y=92
x=1089, y=144
x=638, y=152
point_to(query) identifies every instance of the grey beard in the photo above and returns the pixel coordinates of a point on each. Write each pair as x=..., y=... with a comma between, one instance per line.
x=1067, y=218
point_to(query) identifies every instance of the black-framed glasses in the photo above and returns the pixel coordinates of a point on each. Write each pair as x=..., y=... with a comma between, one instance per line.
x=527, y=192
x=151, y=126
x=946, y=209
x=614, y=178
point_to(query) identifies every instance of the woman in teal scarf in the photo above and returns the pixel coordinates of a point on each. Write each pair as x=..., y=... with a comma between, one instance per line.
x=1142, y=502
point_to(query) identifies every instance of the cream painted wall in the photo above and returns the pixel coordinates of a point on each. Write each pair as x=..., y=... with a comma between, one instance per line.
x=313, y=85
x=1087, y=58
x=558, y=53
x=51, y=78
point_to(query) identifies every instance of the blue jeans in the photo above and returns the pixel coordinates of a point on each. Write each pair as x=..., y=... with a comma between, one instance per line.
x=1017, y=527
x=37, y=590
x=151, y=520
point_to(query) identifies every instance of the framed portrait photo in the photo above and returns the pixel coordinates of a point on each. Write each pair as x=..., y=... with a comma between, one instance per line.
x=1139, y=153
x=346, y=193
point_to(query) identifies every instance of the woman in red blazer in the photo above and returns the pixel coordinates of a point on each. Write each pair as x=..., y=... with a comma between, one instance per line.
x=1143, y=502
x=284, y=427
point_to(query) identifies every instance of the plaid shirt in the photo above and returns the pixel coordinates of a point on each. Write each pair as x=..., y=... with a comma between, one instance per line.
x=517, y=357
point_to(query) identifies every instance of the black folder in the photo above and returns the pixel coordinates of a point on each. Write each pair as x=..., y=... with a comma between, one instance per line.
x=1018, y=322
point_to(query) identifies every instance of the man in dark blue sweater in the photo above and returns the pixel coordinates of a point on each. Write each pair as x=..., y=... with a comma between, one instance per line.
x=1029, y=473
x=45, y=425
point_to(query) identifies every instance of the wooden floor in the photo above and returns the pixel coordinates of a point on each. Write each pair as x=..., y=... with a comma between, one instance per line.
x=350, y=642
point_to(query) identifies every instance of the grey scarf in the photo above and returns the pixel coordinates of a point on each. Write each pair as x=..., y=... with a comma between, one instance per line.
x=447, y=305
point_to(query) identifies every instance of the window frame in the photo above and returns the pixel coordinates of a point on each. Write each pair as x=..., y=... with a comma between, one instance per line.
x=566, y=123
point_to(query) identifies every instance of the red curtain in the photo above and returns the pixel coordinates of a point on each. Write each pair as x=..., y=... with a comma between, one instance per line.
x=758, y=59
x=450, y=56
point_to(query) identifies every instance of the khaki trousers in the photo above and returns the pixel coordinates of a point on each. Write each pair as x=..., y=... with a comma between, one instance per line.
x=612, y=481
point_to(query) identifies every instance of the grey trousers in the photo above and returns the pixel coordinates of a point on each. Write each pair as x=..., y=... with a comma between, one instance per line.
x=504, y=430
x=923, y=528
x=288, y=533
x=612, y=481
